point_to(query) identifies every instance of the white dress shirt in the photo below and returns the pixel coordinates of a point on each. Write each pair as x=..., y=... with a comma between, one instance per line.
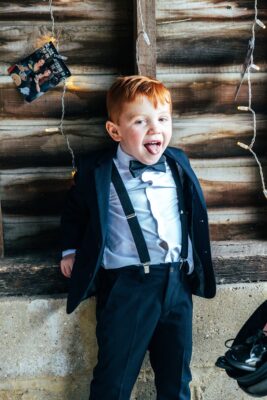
x=154, y=198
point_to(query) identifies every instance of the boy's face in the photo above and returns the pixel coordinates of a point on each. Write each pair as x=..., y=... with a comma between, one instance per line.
x=143, y=131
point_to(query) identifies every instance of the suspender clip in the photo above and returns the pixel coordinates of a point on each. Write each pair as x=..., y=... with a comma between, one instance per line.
x=146, y=268
x=130, y=216
x=182, y=262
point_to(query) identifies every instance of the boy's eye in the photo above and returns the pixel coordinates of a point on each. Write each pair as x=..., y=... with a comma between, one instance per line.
x=139, y=121
x=163, y=119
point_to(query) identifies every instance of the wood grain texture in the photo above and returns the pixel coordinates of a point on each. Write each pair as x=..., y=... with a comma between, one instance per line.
x=34, y=234
x=25, y=142
x=240, y=261
x=209, y=34
x=206, y=10
x=145, y=22
x=2, y=250
x=95, y=45
x=99, y=11
x=31, y=275
x=88, y=31
x=80, y=100
x=238, y=223
x=214, y=46
x=235, y=261
x=36, y=191
x=112, y=46
x=85, y=96
x=216, y=135
x=230, y=182
x=213, y=93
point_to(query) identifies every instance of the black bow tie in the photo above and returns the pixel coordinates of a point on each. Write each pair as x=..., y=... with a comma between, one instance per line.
x=137, y=168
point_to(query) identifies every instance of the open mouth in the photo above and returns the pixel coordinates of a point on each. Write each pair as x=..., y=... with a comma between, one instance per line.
x=153, y=147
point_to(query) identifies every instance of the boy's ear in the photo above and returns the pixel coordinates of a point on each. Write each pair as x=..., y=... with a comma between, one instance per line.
x=113, y=131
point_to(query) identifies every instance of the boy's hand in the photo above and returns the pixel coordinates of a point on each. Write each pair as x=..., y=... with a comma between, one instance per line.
x=66, y=265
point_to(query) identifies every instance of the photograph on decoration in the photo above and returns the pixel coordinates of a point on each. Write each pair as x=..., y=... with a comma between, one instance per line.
x=39, y=72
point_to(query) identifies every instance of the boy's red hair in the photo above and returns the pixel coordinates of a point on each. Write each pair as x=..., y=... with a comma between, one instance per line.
x=128, y=88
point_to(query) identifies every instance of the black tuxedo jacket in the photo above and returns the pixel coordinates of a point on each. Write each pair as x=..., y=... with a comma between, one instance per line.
x=84, y=224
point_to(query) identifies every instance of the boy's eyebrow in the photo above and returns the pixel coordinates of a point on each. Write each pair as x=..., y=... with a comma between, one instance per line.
x=133, y=115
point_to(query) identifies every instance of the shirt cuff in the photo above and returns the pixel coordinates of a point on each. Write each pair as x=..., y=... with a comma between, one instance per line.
x=67, y=252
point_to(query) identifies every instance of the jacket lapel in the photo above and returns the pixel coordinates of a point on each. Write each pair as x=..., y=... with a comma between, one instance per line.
x=102, y=175
x=183, y=162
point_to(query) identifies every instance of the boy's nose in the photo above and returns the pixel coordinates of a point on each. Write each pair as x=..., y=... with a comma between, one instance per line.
x=153, y=128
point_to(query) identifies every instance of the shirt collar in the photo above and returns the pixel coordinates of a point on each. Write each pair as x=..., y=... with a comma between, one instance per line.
x=123, y=158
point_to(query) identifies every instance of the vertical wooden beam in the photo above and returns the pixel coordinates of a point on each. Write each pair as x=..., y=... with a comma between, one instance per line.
x=1, y=234
x=146, y=53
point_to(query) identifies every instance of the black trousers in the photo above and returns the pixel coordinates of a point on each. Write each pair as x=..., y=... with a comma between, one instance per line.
x=137, y=312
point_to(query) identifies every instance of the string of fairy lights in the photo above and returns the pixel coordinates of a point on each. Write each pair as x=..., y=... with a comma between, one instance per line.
x=52, y=20
x=249, y=66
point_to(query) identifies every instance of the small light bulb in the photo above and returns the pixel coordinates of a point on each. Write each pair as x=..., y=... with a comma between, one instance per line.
x=53, y=129
x=243, y=145
x=254, y=66
x=243, y=108
x=146, y=38
x=260, y=23
x=40, y=41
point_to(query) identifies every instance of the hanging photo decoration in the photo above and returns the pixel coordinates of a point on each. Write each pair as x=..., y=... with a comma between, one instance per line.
x=39, y=72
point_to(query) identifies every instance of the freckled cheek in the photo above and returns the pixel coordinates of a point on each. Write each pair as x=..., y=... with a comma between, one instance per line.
x=136, y=132
x=137, y=138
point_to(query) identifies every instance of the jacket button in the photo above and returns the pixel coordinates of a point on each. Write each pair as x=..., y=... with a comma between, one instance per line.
x=202, y=220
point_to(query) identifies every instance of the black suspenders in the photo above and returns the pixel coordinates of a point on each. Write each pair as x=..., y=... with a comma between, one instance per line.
x=133, y=222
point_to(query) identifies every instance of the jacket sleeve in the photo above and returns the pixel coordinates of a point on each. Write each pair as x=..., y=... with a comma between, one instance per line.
x=75, y=214
x=193, y=178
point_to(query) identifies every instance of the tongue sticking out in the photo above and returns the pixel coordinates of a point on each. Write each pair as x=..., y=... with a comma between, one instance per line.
x=152, y=148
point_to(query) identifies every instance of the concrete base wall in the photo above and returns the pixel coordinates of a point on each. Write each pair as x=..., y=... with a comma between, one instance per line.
x=48, y=355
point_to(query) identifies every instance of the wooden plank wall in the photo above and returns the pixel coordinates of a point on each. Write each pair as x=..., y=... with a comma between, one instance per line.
x=200, y=50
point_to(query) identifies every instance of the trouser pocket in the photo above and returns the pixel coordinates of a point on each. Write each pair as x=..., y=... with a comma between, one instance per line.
x=108, y=280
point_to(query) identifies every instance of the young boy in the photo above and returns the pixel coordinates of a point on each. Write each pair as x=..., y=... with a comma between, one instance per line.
x=135, y=229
